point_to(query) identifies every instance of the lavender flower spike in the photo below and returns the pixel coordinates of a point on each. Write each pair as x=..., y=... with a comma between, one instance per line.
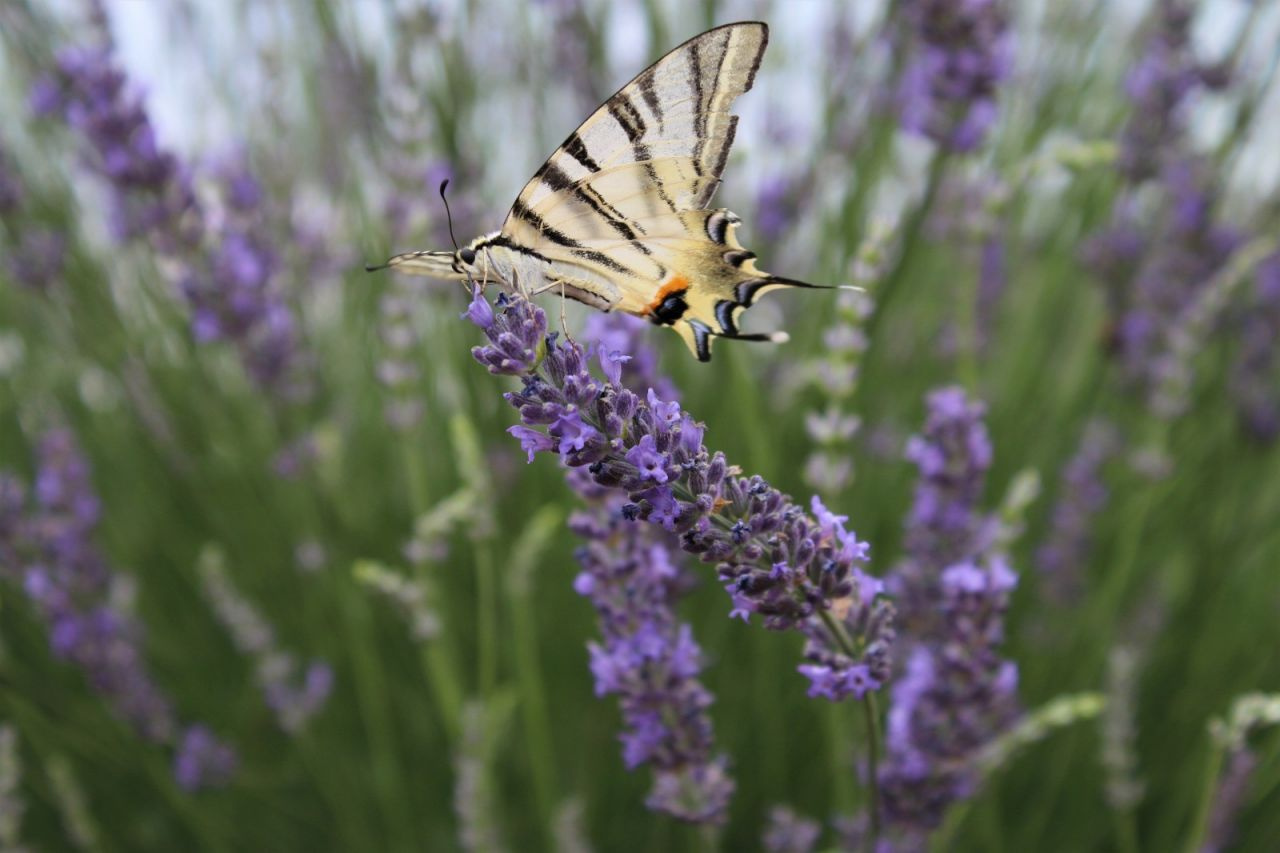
x=647, y=656
x=774, y=559
x=957, y=694
x=49, y=548
x=960, y=53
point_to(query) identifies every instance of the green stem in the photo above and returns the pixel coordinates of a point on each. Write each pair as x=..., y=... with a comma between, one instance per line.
x=379, y=728
x=1200, y=825
x=486, y=620
x=526, y=552
x=445, y=684
x=1127, y=829
x=872, y=714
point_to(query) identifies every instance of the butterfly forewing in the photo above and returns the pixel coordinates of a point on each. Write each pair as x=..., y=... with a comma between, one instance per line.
x=676, y=108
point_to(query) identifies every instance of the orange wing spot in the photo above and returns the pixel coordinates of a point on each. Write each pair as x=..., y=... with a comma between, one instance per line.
x=676, y=284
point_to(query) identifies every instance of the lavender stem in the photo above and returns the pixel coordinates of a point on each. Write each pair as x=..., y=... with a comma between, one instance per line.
x=1200, y=824
x=872, y=714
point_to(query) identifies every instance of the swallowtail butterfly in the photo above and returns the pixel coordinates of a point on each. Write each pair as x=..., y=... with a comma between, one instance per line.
x=618, y=217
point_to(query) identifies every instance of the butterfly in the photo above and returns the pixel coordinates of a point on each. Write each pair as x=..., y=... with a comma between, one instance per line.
x=618, y=217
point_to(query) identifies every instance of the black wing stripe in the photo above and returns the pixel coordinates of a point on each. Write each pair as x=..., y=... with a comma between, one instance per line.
x=650, y=95
x=577, y=149
x=519, y=211
x=603, y=260
x=700, y=120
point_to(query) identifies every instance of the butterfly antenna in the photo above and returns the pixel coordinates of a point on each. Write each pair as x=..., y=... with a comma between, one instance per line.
x=448, y=214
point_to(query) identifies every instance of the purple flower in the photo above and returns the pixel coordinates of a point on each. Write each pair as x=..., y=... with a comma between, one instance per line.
x=945, y=526
x=788, y=832
x=531, y=440
x=648, y=461
x=648, y=658
x=959, y=54
x=201, y=760
x=515, y=340
x=572, y=434
x=228, y=274
x=1159, y=85
x=479, y=311
x=740, y=524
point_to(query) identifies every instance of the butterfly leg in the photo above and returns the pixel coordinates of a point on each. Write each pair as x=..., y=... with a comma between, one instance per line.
x=564, y=323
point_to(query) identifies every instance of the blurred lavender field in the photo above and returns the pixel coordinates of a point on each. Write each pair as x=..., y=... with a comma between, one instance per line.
x=986, y=558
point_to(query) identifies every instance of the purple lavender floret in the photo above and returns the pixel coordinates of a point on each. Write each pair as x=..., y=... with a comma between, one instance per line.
x=960, y=53
x=49, y=548
x=1065, y=552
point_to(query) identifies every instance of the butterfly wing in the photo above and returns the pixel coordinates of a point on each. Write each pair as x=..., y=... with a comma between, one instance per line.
x=619, y=209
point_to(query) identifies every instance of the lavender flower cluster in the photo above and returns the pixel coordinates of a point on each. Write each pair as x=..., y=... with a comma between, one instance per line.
x=48, y=548
x=956, y=693
x=960, y=52
x=1065, y=551
x=775, y=560
x=227, y=273
x=1159, y=86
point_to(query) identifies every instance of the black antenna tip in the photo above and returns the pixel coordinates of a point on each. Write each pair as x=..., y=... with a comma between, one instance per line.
x=443, y=185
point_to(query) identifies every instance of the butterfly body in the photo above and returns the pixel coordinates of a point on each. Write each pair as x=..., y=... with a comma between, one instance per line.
x=618, y=217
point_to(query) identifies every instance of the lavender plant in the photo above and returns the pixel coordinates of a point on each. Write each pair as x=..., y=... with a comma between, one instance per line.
x=775, y=561
x=224, y=271
x=956, y=692
x=49, y=551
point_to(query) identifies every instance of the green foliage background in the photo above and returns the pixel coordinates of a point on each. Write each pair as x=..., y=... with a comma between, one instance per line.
x=182, y=444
